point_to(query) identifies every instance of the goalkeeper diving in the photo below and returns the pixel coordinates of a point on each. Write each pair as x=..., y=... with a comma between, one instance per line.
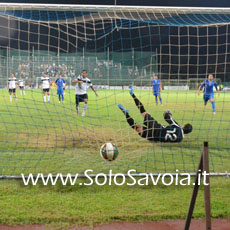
x=151, y=129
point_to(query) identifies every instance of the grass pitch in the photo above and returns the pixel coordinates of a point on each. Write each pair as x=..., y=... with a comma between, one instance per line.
x=60, y=207
x=51, y=138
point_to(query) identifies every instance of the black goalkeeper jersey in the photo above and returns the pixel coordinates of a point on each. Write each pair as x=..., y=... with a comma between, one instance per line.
x=171, y=133
x=153, y=131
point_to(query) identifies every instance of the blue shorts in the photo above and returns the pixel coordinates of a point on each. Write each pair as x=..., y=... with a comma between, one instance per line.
x=156, y=94
x=208, y=97
x=60, y=91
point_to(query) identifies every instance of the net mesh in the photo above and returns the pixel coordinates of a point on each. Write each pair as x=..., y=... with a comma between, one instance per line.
x=118, y=46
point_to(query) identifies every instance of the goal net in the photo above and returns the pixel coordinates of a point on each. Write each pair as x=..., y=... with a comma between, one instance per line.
x=118, y=46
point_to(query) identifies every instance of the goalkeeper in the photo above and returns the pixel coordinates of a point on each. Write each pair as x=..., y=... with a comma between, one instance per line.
x=151, y=129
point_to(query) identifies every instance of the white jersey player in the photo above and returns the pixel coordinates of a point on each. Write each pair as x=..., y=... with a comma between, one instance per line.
x=21, y=83
x=11, y=85
x=82, y=84
x=45, y=87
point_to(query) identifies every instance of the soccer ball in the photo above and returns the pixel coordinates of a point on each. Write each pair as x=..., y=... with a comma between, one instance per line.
x=109, y=151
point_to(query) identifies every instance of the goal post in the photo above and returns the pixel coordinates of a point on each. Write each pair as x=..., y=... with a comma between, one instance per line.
x=203, y=168
x=118, y=46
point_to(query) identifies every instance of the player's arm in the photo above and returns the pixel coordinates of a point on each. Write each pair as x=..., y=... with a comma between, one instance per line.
x=91, y=86
x=160, y=86
x=75, y=81
x=168, y=118
x=41, y=84
x=217, y=90
x=94, y=90
x=78, y=80
x=56, y=83
x=200, y=87
x=64, y=84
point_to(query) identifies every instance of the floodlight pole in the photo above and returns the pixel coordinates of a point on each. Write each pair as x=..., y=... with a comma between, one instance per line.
x=108, y=70
x=7, y=61
x=83, y=58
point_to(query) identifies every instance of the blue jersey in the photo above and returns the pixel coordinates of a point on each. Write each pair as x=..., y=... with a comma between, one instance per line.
x=156, y=85
x=208, y=86
x=60, y=82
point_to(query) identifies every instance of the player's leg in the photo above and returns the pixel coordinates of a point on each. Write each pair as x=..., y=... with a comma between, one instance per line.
x=129, y=119
x=206, y=98
x=160, y=99
x=62, y=95
x=44, y=95
x=156, y=100
x=85, y=107
x=137, y=102
x=77, y=103
x=149, y=121
x=59, y=95
x=48, y=94
x=213, y=104
x=24, y=91
x=10, y=93
x=20, y=89
x=15, y=96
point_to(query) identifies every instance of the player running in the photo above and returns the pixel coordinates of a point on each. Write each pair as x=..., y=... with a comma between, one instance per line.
x=22, y=86
x=151, y=129
x=60, y=84
x=208, y=86
x=157, y=87
x=45, y=87
x=82, y=84
x=11, y=85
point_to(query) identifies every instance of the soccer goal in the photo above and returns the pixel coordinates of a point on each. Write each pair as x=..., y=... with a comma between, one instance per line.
x=118, y=46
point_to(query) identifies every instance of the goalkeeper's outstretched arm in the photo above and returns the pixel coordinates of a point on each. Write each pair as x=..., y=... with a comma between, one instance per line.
x=168, y=118
x=187, y=128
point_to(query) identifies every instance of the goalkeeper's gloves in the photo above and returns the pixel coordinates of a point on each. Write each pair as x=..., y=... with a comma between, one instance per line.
x=167, y=114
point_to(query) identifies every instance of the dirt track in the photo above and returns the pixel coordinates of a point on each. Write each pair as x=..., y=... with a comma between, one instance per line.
x=219, y=224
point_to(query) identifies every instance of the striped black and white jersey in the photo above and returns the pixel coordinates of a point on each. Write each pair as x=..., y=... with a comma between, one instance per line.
x=153, y=131
x=21, y=82
x=45, y=82
x=12, y=81
x=171, y=133
x=81, y=88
